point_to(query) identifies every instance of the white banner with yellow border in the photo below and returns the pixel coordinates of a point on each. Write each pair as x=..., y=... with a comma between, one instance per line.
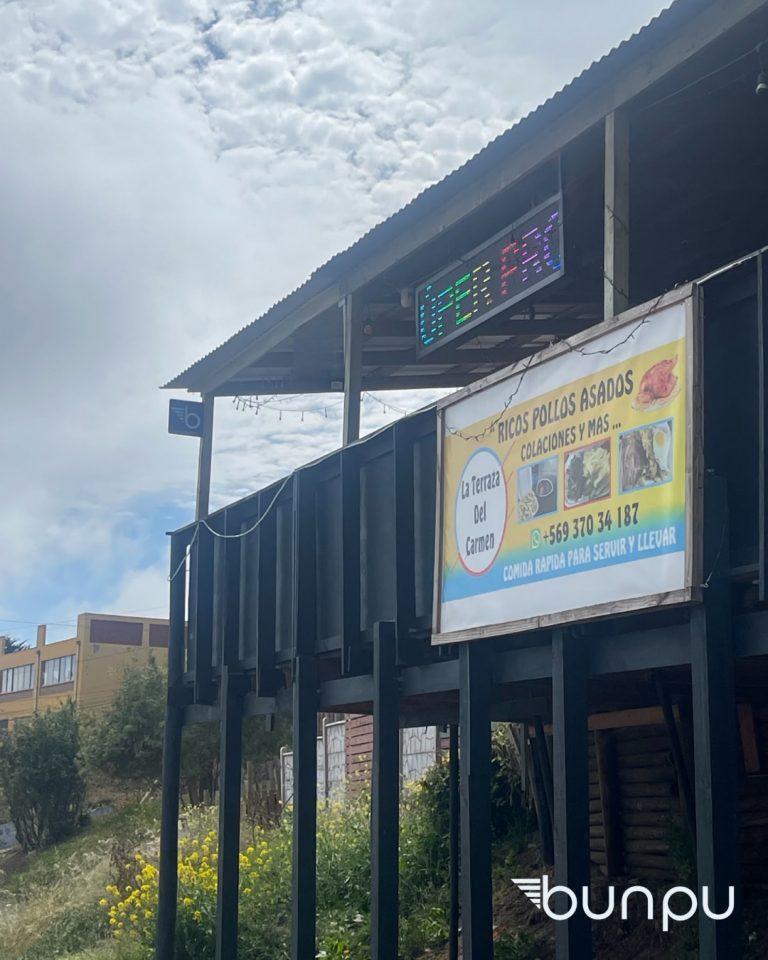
x=565, y=486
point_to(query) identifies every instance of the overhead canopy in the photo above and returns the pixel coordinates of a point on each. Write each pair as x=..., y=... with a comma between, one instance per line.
x=695, y=58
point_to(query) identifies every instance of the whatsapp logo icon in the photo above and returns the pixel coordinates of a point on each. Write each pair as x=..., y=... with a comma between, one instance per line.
x=535, y=539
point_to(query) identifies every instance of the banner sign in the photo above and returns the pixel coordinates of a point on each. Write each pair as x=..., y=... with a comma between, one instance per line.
x=566, y=483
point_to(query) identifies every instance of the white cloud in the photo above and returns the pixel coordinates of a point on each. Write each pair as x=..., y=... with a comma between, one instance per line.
x=171, y=168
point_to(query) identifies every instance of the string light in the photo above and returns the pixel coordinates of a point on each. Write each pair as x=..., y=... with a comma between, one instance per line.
x=226, y=536
x=573, y=349
x=277, y=404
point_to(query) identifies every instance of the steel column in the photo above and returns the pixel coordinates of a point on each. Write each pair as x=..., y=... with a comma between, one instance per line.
x=349, y=467
x=573, y=937
x=171, y=775
x=762, y=440
x=231, y=713
x=267, y=677
x=202, y=573
x=304, y=875
x=204, y=459
x=352, y=327
x=385, y=795
x=475, y=793
x=410, y=650
x=715, y=739
x=453, y=840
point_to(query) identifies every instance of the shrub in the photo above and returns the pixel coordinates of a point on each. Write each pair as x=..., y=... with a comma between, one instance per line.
x=126, y=740
x=511, y=818
x=41, y=777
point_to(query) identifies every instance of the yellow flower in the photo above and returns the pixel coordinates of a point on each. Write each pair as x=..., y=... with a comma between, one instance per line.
x=103, y=902
x=197, y=916
x=187, y=901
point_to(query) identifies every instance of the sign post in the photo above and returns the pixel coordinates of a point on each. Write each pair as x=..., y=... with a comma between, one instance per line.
x=568, y=484
x=190, y=418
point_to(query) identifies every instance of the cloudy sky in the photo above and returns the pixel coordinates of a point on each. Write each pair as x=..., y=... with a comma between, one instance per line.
x=168, y=169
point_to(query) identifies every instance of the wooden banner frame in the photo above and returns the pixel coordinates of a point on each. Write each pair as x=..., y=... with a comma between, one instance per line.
x=690, y=294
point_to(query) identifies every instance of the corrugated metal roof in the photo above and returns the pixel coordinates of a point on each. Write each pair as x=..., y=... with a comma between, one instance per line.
x=598, y=73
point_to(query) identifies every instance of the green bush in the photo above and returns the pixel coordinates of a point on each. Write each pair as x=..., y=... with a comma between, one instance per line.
x=511, y=818
x=41, y=777
x=126, y=740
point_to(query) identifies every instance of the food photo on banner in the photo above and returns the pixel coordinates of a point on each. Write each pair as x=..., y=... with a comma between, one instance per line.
x=567, y=483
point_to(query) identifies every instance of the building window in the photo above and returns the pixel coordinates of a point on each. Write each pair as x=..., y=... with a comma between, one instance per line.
x=60, y=670
x=15, y=679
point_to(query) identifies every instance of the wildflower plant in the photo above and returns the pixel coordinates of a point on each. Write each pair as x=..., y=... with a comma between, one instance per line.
x=343, y=880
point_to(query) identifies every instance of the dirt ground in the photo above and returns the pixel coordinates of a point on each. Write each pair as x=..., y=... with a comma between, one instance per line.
x=636, y=938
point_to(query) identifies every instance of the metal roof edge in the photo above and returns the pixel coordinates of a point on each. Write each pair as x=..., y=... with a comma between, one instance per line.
x=598, y=73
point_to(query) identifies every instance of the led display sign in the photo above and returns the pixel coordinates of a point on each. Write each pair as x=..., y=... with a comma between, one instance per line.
x=512, y=265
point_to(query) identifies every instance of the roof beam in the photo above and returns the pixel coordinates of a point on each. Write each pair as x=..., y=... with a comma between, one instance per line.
x=555, y=325
x=375, y=381
x=283, y=324
x=688, y=37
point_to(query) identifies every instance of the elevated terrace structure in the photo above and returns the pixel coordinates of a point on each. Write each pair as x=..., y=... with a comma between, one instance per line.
x=319, y=593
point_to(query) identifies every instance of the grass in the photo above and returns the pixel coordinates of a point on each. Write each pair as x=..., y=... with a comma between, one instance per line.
x=109, y=950
x=41, y=868
x=94, y=896
x=50, y=908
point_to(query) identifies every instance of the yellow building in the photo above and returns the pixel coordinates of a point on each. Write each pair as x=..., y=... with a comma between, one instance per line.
x=87, y=668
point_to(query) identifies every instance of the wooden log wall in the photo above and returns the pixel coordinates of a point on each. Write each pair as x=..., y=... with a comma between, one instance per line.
x=647, y=838
x=359, y=748
x=754, y=801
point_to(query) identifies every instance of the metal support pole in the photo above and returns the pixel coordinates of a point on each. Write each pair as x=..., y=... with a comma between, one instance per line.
x=475, y=792
x=616, y=214
x=543, y=808
x=171, y=775
x=715, y=739
x=353, y=360
x=304, y=874
x=204, y=460
x=453, y=840
x=762, y=412
x=542, y=752
x=385, y=795
x=573, y=937
x=231, y=711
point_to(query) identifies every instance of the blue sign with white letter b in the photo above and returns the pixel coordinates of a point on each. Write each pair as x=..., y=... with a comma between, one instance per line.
x=185, y=417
